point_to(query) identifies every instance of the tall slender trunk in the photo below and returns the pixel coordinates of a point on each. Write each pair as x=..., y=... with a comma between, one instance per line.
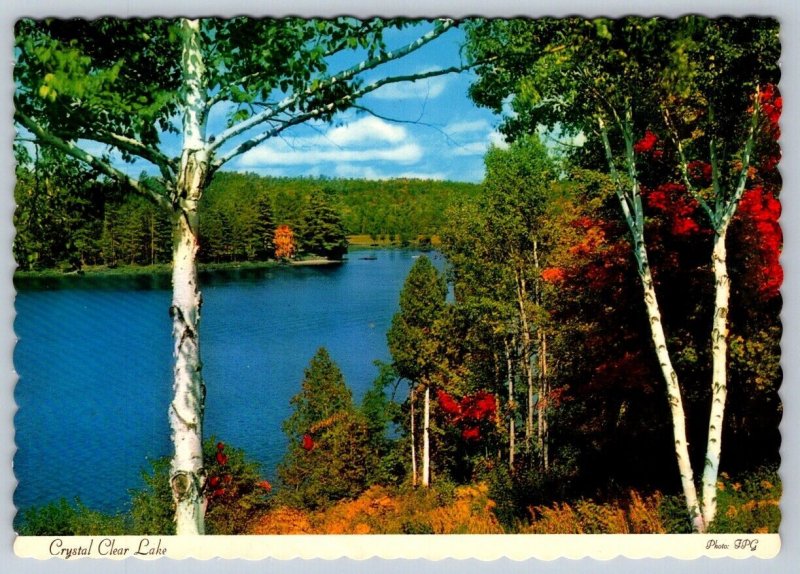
x=544, y=389
x=187, y=475
x=511, y=413
x=719, y=376
x=413, y=440
x=525, y=359
x=631, y=204
x=673, y=392
x=426, y=440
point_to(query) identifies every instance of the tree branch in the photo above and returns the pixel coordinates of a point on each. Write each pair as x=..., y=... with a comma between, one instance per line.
x=729, y=207
x=441, y=27
x=73, y=150
x=137, y=148
x=684, y=167
x=326, y=108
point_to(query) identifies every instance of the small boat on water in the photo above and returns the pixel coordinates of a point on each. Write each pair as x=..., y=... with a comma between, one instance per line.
x=368, y=258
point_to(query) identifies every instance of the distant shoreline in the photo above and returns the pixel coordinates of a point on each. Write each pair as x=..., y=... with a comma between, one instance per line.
x=166, y=268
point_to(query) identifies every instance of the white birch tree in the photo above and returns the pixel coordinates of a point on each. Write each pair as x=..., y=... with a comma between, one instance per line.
x=611, y=80
x=134, y=87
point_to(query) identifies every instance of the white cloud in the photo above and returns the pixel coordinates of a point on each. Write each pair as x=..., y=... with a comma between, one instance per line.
x=463, y=127
x=362, y=141
x=498, y=139
x=472, y=148
x=273, y=155
x=481, y=146
x=366, y=129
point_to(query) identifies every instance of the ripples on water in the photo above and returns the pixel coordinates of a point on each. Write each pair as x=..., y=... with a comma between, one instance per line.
x=94, y=360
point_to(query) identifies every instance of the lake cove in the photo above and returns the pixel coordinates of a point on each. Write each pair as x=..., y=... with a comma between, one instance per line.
x=95, y=366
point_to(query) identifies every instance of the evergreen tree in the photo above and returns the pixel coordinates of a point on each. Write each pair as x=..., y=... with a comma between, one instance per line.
x=413, y=345
x=322, y=231
x=327, y=455
x=264, y=232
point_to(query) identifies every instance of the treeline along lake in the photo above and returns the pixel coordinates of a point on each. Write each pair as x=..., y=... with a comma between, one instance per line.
x=95, y=366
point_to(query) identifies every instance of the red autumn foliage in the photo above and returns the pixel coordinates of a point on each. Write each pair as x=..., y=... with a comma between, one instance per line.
x=308, y=442
x=218, y=492
x=700, y=172
x=680, y=209
x=222, y=458
x=759, y=211
x=469, y=412
x=771, y=106
x=284, y=242
x=214, y=481
x=264, y=485
x=471, y=433
x=448, y=404
x=220, y=446
x=647, y=143
x=553, y=275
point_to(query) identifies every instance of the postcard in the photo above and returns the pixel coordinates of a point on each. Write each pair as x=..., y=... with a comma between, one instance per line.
x=397, y=287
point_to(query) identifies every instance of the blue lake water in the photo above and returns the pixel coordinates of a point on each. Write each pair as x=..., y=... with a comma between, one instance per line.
x=94, y=361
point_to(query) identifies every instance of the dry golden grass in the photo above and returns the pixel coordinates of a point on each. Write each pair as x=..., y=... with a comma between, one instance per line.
x=380, y=511
x=634, y=515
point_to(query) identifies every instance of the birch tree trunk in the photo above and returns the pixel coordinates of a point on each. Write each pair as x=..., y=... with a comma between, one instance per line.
x=525, y=359
x=413, y=440
x=426, y=440
x=631, y=204
x=720, y=216
x=673, y=390
x=511, y=429
x=544, y=389
x=719, y=375
x=187, y=475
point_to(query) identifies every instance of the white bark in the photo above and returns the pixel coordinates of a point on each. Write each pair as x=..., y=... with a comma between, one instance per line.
x=631, y=204
x=720, y=216
x=511, y=413
x=413, y=441
x=673, y=394
x=525, y=359
x=544, y=389
x=426, y=440
x=187, y=475
x=719, y=377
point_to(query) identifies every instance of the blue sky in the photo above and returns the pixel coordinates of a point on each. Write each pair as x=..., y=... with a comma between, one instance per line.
x=441, y=133
x=438, y=133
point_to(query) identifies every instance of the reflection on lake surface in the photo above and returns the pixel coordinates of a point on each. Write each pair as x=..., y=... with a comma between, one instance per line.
x=94, y=360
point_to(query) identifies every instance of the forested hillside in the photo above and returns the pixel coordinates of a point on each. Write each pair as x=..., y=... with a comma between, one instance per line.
x=68, y=219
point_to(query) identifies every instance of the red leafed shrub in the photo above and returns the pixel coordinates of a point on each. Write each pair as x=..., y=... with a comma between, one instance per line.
x=700, y=171
x=308, y=442
x=553, y=275
x=680, y=209
x=771, y=104
x=470, y=412
x=759, y=212
x=449, y=405
x=647, y=143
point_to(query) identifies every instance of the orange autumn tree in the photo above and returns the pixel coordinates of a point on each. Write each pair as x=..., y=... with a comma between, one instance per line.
x=285, y=246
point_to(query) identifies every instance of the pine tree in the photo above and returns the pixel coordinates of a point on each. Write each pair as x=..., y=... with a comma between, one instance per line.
x=328, y=451
x=322, y=231
x=264, y=228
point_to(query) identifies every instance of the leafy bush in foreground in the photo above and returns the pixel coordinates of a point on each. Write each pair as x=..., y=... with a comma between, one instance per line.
x=64, y=519
x=234, y=488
